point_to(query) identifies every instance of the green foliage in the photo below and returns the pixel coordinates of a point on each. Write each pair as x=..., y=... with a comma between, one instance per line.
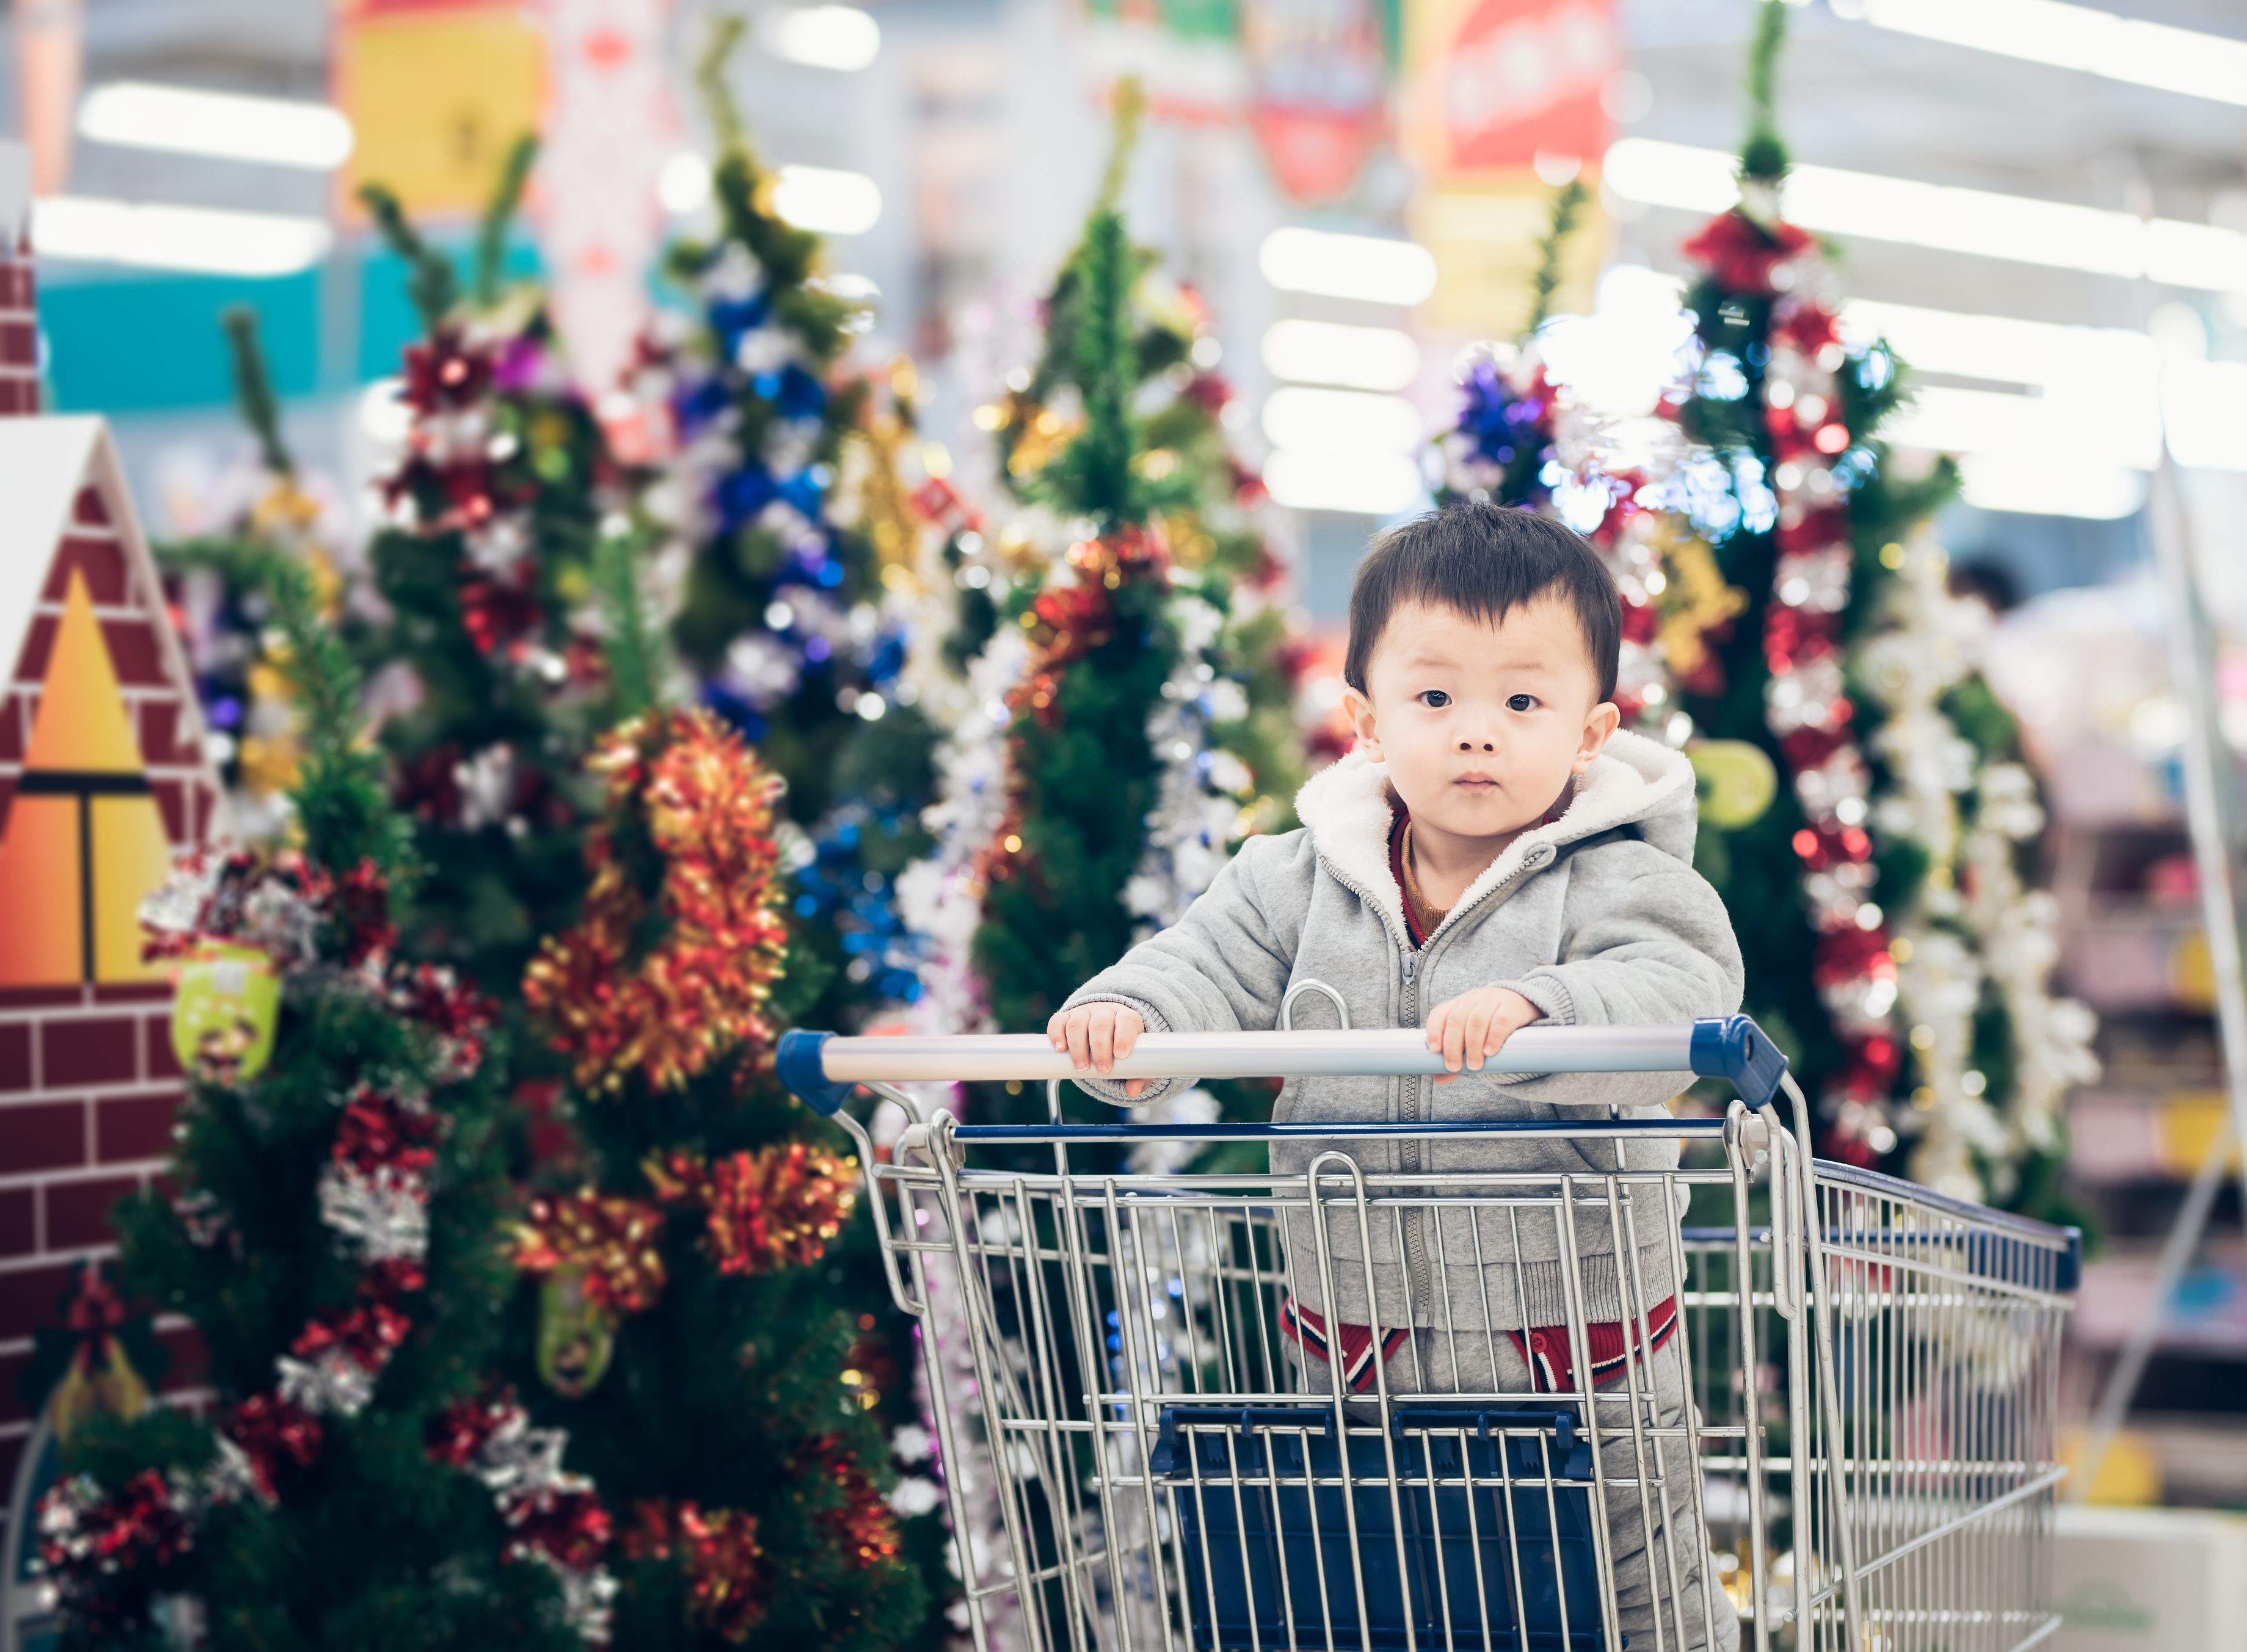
x=375, y=1543
x=727, y=1392
x=1764, y=157
x=1084, y=774
x=509, y=678
x=499, y=213
x=431, y=282
x=253, y=389
x=1567, y=211
x=1086, y=780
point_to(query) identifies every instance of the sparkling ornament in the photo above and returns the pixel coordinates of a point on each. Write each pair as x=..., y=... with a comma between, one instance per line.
x=226, y=1008
x=778, y=1207
x=1737, y=781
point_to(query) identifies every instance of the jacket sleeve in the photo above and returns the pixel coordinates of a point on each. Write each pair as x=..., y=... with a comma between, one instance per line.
x=1221, y=968
x=1655, y=949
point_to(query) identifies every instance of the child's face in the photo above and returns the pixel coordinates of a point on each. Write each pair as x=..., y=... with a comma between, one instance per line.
x=1481, y=725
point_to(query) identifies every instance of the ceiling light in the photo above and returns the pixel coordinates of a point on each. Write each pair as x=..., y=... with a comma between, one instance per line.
x=2039, y=485
x=1347, y=420
x=840, y=38
x=1373, y=268
x=383, y=413
x=1323, y=352
x=278, y=131
x=166, y=237
x=2002, y=348
x=1978, y=221
x=827, y=201
x=1361, y=483
x=2204, y=405
x=683, y=186
x=2070, y=37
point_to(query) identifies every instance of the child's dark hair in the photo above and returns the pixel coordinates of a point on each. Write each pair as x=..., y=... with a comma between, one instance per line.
x=1483, y=560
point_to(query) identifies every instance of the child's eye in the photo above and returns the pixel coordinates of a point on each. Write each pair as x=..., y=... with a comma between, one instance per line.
x=1521, y=702
x=1435, y=698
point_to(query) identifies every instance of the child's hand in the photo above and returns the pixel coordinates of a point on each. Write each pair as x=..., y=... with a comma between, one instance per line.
x=1098, y=1036
x=1475, y=1026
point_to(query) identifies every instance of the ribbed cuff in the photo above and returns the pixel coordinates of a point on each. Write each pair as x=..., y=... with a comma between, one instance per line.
x=1111, y=1090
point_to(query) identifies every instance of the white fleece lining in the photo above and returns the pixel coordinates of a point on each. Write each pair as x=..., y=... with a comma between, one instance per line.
x=1345, y=807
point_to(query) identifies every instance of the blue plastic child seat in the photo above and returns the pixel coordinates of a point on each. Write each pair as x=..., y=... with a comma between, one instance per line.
x=1257, y=1536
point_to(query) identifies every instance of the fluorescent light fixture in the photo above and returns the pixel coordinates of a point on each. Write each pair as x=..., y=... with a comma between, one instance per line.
x=2040, y=485
x=827, y=201
x=2205, y=405
x=1360, y=483
x=383, y=413
x=1978, y=221
x=1621, y=357
x=841, y=37
x=1348, y=421
x=1373, y=268
x=166, y=238
x=280, y=132
x=2003, y=348
x=1323, y=352
x=2070, y=37
x=683, y=186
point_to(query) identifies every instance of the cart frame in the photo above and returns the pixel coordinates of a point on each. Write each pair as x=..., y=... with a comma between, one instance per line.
x=1174, y=1488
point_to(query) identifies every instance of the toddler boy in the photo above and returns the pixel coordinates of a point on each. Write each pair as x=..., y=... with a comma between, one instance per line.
x=1493, y=853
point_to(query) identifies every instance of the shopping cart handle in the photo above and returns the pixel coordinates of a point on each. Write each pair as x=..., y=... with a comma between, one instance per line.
x=822, y=1070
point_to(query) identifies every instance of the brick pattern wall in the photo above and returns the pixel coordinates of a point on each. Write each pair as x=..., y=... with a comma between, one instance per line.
x=88, y=1085
x=19, y=332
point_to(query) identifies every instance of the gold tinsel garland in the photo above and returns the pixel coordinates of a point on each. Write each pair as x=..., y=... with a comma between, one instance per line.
x=697, y=996
x=777, y=1207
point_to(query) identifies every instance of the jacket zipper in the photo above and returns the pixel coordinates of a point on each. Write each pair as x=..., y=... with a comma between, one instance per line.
x=1407, y=1152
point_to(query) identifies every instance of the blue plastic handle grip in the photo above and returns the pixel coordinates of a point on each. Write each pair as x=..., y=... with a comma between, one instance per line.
x=1734, y=1048
x=803, y=1070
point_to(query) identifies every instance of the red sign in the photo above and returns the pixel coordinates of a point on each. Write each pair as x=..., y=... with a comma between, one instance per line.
x=1321, y=90
x=1518, y=77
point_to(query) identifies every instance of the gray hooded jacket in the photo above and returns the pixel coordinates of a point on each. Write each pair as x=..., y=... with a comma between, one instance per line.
x=1597, y=918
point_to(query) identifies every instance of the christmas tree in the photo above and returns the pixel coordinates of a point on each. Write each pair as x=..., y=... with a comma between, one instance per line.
x=1155, y=724
x=1524, y=441
x=1892, y=950
x=333, y=1227
x=490, y=660
x=773, y=572
x=213, y=586
x=688, y=1332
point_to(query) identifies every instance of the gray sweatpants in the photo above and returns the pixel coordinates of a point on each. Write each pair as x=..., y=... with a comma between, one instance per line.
x=1667, y=1577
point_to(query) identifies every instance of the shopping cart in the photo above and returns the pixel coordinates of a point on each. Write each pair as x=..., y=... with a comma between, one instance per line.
x=1827, y=1404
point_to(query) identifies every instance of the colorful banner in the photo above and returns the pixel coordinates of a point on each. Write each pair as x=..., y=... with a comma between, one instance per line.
x=436, y=91
x=609, y=129
x=50, y=52
x=1492, y=85
x=1319, y=97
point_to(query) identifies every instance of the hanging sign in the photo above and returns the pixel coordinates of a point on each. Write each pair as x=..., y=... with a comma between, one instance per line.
x=436, y=91
x=609, y=130
x=1496, y=90
x=1319, y=89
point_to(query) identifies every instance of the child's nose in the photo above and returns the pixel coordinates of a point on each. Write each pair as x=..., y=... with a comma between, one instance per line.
x=1472, y=745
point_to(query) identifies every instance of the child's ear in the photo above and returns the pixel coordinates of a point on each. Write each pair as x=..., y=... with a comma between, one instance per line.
x=1359, y=710
x=1599, y=728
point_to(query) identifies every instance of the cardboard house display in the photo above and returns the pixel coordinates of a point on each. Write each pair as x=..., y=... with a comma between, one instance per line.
x=103, y=780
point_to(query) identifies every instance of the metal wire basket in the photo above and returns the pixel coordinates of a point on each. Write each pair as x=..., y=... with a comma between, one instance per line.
x=1782, y=1402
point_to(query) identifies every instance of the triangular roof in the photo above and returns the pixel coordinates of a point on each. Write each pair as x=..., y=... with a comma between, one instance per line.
x=44, y=462
x=83, y=726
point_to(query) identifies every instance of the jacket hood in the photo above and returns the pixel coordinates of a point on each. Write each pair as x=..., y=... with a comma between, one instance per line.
x=1634, y=781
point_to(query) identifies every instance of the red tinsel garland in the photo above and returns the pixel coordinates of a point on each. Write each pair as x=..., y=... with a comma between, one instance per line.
x=699, y=996
x=374, y=1194
x=778, y=1207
